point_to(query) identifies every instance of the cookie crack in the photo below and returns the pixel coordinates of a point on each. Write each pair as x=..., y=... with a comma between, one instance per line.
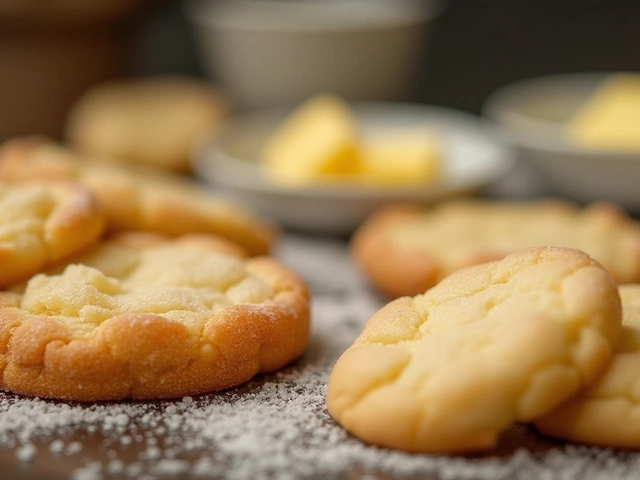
x=390, y=378
x=533, y=375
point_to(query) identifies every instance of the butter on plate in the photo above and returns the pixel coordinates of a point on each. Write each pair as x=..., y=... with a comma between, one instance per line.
x=320, y=143
x=610, y=117
x=319, y=138
x=400, y=158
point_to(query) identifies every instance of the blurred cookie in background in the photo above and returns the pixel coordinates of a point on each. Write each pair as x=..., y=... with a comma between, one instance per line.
x=153, y=120
x=405, y=249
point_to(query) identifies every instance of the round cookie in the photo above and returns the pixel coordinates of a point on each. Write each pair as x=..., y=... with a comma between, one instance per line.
x=150, y=120
x=44, y=223
x=139, y=199
x=144, y=316
x=492, y=344
x=608, y=413
x=405, y=249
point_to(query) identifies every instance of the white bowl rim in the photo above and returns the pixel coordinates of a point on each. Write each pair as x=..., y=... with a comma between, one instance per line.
x=420, y=11
x=539, y=134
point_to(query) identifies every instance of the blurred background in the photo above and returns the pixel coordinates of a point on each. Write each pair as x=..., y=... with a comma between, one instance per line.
x=474, y=46
x=52, y=51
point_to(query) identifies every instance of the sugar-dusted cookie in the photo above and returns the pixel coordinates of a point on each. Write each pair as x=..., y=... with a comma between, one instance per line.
x=145, y=316
x=154, y=120
x=405, y=249
x=43, y=223
x=608, y=413
x=139, y=199
x=492, y=344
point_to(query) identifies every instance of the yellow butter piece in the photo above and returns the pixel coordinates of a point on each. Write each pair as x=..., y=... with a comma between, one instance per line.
x=319, y=139
x=610, y=118
x=400, y=158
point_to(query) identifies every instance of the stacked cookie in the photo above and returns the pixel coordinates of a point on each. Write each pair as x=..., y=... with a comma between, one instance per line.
x=126, y=283
x=137, y=198
x=492, y=328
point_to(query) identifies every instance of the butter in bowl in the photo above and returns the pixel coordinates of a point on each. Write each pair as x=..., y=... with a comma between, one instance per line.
x=325, y=164
x=580, y=130
x=320, y=143
x=609, y=118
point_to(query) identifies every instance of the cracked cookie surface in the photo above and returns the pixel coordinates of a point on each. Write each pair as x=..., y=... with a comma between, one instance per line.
x=492, y=344
x=608, y=413
x=43, y=223
x=404, y=250
x=143, y=316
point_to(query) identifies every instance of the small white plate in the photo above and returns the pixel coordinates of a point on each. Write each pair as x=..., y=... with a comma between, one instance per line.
x=474, y=156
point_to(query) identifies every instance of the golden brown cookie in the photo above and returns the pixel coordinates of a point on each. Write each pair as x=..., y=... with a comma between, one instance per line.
x=44, y=223
x=149, y=120
x=492, y=344
x=608, y=413
x=405, y=249
x=138, y=199
x=144, y=316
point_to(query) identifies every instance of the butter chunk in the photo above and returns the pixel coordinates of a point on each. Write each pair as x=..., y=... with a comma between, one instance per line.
x=610, y=117
x=401, y=158
x=319, y=139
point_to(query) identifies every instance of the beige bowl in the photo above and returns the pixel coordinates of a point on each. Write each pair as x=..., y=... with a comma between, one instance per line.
x=268, y=52
x=534, y=112
x=50, y=52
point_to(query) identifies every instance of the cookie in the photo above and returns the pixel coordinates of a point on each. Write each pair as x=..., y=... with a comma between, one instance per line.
x=150, y=120
x=43, y=223
x=608, y=413
x=492, y=344
x=139, y=199
x=145, y=316
x=403, y=249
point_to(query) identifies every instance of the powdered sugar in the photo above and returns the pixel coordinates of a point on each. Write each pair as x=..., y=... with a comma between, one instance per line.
x=26, y=452
x=275, y=426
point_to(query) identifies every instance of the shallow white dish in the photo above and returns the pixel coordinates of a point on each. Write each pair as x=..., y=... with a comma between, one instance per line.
x=533, y=113
x=473, y=157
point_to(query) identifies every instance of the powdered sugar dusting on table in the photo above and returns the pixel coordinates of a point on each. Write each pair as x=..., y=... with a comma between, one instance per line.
x=275, y=426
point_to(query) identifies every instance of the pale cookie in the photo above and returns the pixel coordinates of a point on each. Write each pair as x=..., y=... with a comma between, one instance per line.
x=492, y=344
x=143, y=316
x=405, y=249
x=608, y=413
x=154, y=120
x=139, y=199
x=43, y=223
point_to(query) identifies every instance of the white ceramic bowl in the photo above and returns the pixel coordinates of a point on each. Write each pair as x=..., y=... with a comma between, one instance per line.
x=270, y=52
x=473, y=157
x=533, y=112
